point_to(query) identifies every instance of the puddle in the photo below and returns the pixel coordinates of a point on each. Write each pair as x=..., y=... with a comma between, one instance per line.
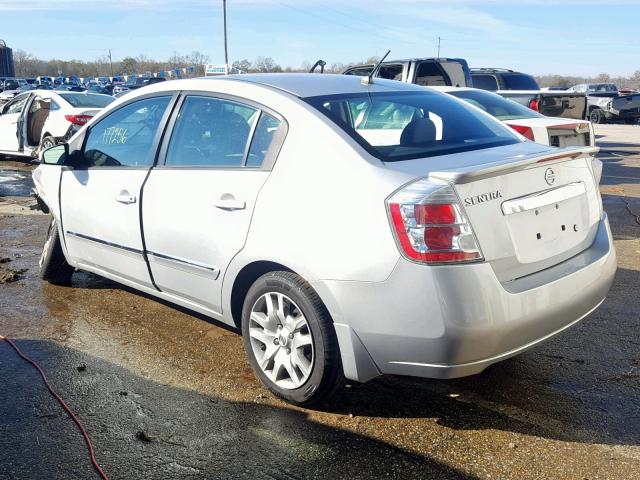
x=15, y=183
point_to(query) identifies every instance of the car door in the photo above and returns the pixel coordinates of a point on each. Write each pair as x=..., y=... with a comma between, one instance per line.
x=9, y=120
x=100, y=200
x=197, y=205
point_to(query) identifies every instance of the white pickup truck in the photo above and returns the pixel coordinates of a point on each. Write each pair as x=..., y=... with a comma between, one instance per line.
x=605, y=103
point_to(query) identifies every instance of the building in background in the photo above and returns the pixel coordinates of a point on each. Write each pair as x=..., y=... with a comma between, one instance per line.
x=7, y=68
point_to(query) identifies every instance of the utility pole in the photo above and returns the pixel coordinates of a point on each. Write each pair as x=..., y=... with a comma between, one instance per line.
x=224, y=17
x=110, y=63
x=439, y=46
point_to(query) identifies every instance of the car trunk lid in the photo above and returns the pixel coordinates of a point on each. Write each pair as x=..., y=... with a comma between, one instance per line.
x=530, y=213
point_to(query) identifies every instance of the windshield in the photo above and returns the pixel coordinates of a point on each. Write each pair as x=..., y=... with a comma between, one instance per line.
x=603, y=87
x=87, y=100
x=397, y=126
x=495, y=105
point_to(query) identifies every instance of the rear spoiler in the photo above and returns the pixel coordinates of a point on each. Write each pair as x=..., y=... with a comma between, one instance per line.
x=511, y=164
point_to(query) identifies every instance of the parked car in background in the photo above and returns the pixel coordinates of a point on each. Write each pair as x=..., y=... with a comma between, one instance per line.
x=12, y=87
x=605, y=103
x=98, y=87
x=70, y=87
x=429, y=239
x=39, y=119
x=523, y=88
x=421, y=71
x=137, y=83
x=552, y=131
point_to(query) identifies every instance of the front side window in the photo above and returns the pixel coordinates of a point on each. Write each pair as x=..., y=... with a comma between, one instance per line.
x=125, y=137
x=211, y=132
x=395, y=126
x=16, y=105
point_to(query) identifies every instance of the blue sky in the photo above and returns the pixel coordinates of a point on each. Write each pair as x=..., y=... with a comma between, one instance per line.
x=581, y=37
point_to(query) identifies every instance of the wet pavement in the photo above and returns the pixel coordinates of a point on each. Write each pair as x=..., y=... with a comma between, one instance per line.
x=169, y=394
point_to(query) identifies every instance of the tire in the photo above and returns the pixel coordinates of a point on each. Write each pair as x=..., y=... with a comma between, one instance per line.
x=53, y=264
x=301, y=358
x=47, y=142
x=597, y=116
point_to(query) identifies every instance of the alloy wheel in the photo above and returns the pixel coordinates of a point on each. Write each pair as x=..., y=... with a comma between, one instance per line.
x=281, y=340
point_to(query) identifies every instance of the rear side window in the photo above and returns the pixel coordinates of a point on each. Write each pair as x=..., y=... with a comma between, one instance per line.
x=391, y=72
x=485, y=82
x=265, y=139
x=429, y=73
x=211, y=132
x=519, y=81
x=360, y=71
x=397, y=126
x=125, y=137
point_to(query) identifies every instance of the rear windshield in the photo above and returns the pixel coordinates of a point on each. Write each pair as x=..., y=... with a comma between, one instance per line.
x=492, y=103
x=87, y=100
x=395, y=126
x=519, y=81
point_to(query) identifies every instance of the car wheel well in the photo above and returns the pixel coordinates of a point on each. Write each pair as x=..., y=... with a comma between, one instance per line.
x=246, y=277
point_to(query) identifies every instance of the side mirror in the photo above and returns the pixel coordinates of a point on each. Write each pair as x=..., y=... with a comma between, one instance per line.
x=56, y=155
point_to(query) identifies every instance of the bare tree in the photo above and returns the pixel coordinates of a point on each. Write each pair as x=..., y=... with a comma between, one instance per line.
x=266, y=65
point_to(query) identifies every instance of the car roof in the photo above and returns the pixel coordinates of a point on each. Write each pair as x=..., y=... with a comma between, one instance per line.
x=315, y=84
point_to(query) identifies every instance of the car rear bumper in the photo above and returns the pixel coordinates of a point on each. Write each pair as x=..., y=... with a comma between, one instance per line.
x=453, y=321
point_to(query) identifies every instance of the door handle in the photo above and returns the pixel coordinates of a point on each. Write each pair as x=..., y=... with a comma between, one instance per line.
x=229, y=204
x=125, y=197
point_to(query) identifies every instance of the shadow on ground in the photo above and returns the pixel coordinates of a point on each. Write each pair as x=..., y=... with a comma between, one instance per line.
x=186, y=435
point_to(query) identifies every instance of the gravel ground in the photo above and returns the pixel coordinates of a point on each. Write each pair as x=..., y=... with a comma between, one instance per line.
x=168, y=394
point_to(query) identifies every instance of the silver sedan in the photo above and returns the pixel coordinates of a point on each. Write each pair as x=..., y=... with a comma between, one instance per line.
x=348, y=229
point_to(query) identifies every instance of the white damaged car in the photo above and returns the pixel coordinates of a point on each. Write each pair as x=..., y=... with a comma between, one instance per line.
x=39, y=119
x=348, y=230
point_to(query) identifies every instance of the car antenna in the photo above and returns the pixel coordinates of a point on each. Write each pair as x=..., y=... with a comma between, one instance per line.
x=319, y=63
x=368, y=80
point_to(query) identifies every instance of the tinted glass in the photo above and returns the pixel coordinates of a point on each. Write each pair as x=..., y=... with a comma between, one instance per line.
x=263, y=139
x=485, y=82
x=11, y=84
x=405, y=125
x=360, y=71
x=87, y=100
x=519, y=81
x=210, y=132
x=456, y=73
x=125, y=138
x=429, y=73
x=390, y=72
x=492, y=103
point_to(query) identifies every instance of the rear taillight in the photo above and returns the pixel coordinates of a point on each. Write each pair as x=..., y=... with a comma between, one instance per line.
x=524, y=131
x=430, y=226
x=534, y=104
x=78, y=119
